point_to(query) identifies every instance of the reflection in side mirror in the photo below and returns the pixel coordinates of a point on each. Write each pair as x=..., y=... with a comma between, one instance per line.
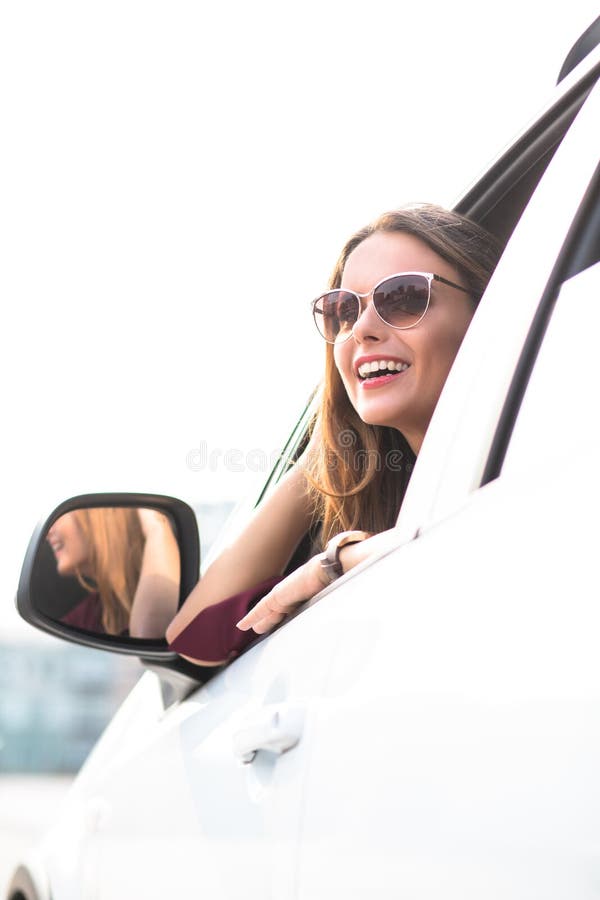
x=110, y=571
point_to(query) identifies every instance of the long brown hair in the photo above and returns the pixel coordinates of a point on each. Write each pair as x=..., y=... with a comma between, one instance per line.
x=359, y=475
x=116, y=544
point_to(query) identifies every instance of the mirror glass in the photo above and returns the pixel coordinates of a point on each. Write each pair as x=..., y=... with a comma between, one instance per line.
x=109, y=571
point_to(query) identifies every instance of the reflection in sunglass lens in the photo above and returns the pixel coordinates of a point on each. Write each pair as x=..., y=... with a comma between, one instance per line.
x=346, y=311
x=401, y=301
x=335, y=313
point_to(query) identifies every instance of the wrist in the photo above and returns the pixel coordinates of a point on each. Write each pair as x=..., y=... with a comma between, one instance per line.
x=330, y=563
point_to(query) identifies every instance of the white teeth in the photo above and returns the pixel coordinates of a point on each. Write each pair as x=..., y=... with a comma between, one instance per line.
x=381, y=365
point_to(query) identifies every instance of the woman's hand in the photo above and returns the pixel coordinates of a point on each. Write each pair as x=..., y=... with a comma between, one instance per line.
x=307, y=581
x=297, y=588
x=151, y=520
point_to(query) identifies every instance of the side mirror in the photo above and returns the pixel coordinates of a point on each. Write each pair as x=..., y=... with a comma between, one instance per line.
x=111, y=570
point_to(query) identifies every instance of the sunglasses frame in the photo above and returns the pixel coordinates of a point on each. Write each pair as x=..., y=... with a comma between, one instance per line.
x=429, y=277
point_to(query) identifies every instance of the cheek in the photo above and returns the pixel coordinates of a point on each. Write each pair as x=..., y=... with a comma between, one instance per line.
x=70, y=540
x=81, y=548
x=342, y=360
x=75, y=545
x=445, y=344
x=348, y=385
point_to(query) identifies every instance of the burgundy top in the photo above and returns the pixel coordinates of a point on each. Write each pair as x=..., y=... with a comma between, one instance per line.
x=212, y=635
x=86, y=614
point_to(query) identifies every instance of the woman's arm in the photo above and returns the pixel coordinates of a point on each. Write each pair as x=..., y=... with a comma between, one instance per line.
x=259, y=552
x=157, y=592
x=304, y=583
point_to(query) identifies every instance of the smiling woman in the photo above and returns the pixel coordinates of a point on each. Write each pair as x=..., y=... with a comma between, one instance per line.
x=372, y=428
x=401, y=298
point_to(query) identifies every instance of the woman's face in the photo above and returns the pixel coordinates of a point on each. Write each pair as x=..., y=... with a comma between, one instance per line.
x=404, y=400
x=69, y=545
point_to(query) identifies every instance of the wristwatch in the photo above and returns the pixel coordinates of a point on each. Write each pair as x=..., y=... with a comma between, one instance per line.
x=330, y=558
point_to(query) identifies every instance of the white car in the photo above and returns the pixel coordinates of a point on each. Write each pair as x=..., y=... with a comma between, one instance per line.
x=429, y=725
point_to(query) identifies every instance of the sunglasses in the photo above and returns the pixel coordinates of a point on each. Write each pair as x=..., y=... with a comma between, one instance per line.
x=399, y=300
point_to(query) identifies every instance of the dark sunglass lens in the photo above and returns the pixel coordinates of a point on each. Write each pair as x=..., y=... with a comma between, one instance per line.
x=402, y=301
x=347, y=311
x=335, y=314
x=323, y=319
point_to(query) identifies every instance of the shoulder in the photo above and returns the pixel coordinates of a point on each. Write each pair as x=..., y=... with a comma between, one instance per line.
x=87, y=614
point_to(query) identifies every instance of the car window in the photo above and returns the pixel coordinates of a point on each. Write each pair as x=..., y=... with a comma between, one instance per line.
x=555, y=338
x=558, y=415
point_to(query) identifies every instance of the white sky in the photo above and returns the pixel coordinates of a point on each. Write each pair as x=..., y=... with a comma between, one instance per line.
x=177, y=180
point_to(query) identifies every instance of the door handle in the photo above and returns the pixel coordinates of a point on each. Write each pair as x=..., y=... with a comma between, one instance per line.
x=276, y=728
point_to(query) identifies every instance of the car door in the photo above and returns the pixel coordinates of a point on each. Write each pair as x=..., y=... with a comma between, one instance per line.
x=203, y=798
x=457, y=742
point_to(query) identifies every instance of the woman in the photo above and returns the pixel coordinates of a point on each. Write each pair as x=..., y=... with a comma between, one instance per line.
x=128, y=562
x=402, y=296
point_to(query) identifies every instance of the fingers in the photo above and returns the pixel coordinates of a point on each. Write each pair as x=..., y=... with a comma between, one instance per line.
x=297, y=588
x=267, y=622
x=267, y=613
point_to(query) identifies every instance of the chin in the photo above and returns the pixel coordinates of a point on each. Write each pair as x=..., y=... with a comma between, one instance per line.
x=380, y=416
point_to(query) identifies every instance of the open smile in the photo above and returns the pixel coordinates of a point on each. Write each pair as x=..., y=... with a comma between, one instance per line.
x=56, y=544
x=373, y=372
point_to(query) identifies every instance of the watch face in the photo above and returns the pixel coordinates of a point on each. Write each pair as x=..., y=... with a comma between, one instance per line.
x=330, y=561
x=330, y=568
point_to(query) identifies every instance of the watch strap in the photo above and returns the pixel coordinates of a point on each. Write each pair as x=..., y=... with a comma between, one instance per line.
x=331, y=566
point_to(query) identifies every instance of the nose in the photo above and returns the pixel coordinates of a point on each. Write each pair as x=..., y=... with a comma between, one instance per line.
x=368, y=326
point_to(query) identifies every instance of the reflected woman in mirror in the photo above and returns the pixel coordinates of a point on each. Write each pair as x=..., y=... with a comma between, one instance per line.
x=128, y=562
x=399, y=303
